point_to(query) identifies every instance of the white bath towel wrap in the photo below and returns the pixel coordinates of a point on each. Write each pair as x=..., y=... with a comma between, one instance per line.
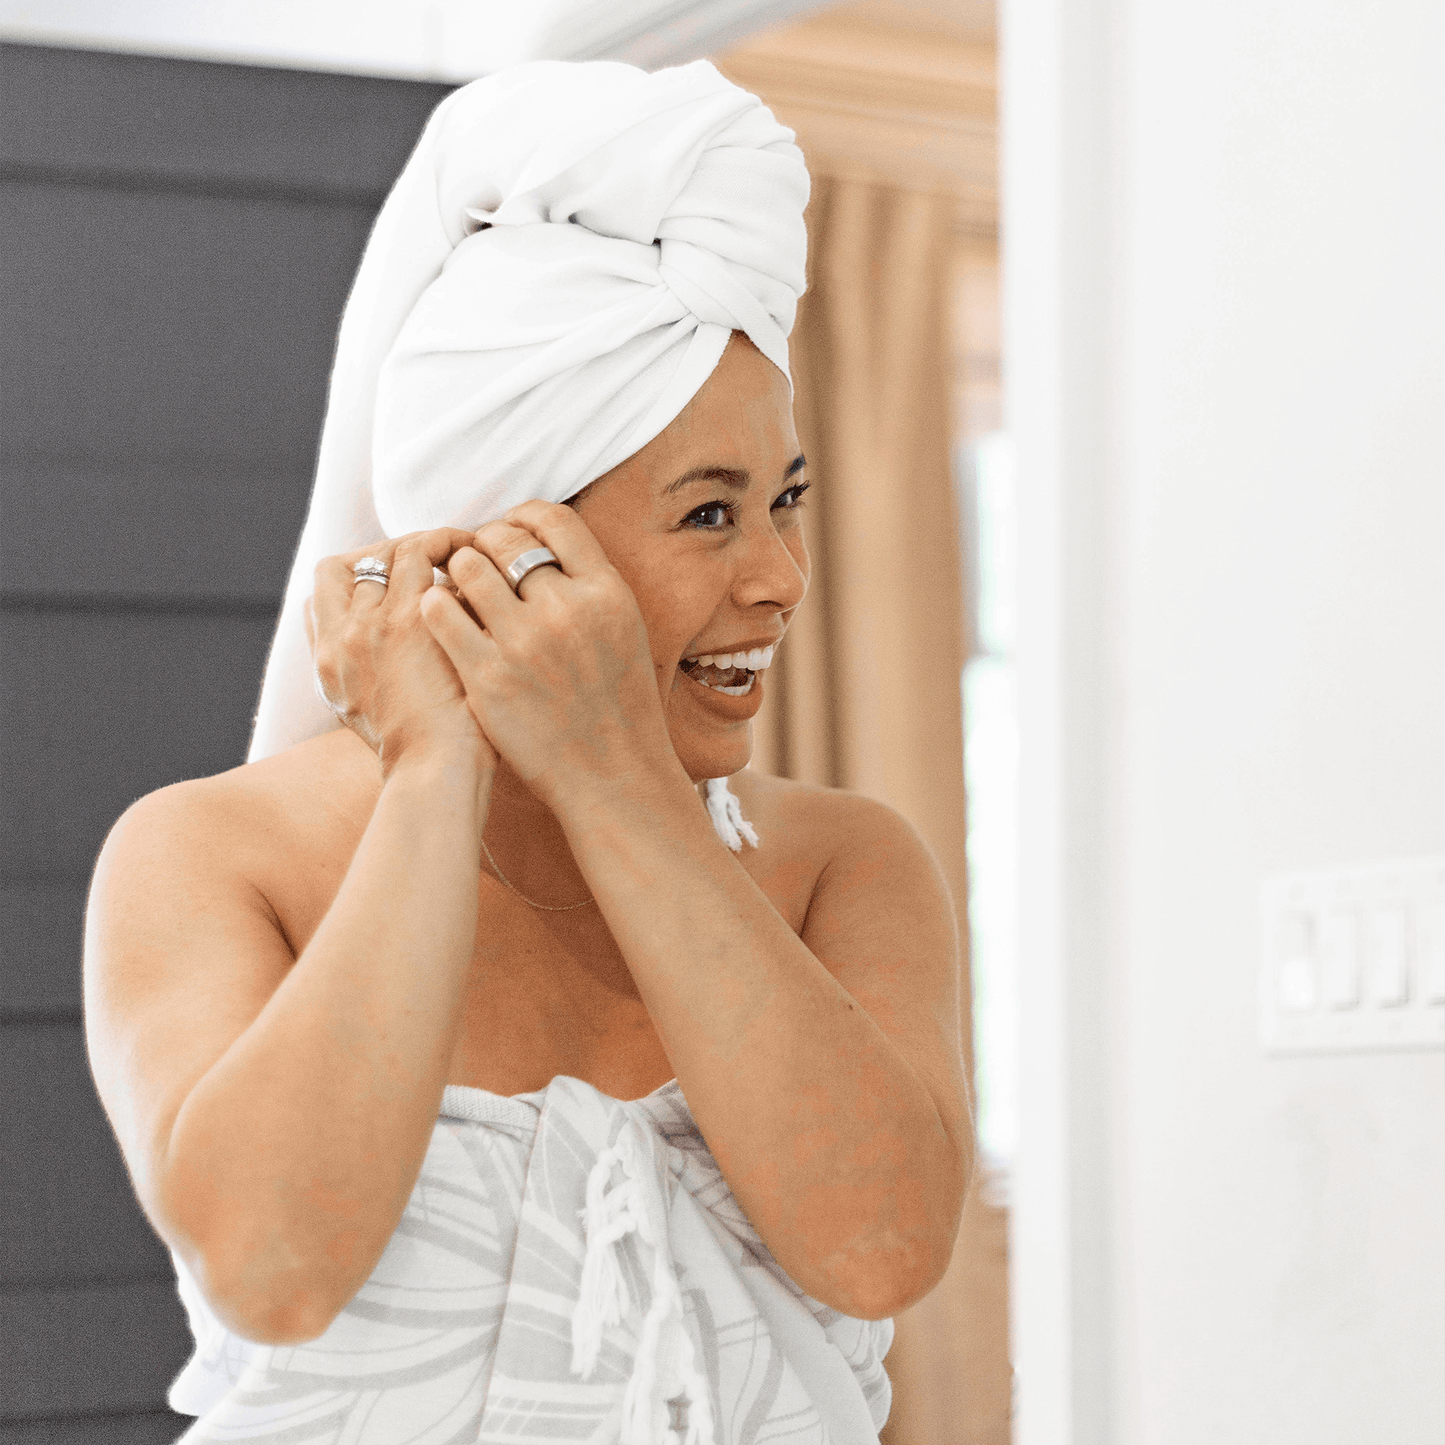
x=569, y=1268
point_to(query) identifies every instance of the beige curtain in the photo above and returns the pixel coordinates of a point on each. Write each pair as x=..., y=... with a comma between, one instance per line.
x=864, y=694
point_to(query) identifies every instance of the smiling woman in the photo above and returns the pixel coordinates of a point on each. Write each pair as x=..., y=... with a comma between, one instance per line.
x=482, y=1083
x=717, y=577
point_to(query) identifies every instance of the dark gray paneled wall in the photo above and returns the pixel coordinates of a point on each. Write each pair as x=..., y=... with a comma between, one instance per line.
x=178, y=239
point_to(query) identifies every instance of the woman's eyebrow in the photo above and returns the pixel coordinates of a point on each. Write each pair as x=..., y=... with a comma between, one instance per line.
x=735, y=477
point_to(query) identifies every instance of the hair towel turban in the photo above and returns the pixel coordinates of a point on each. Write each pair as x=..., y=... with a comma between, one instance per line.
x=553, y=277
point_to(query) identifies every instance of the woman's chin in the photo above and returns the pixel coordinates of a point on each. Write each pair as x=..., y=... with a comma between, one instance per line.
x=704, y=758
x=712, y=731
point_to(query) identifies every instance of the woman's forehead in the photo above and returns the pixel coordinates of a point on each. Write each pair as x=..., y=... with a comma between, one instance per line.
x=742, y=416
x=737, y=427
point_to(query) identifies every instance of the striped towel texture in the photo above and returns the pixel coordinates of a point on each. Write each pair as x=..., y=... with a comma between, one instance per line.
x=570, y=1268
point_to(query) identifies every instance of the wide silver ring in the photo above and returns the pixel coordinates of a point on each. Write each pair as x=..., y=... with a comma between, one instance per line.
x=518, y=567
x=371, y=569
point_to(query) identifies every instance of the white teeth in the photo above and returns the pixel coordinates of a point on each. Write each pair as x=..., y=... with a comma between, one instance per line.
x=755, y=660
x=741, y=691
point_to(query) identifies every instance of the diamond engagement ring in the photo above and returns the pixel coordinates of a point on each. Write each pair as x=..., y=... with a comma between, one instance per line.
x=518, y=567
x=371, y=569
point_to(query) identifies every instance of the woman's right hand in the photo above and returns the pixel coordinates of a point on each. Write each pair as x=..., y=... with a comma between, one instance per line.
x=377, y=665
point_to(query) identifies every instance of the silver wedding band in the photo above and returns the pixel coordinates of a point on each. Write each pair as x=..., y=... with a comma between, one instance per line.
x=371, y=569
x=518, y=567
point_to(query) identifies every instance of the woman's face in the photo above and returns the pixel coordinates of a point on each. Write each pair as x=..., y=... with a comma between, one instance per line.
x=705, y=525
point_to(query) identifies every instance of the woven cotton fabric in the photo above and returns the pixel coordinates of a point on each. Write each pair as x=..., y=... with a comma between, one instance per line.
x=468, y=1329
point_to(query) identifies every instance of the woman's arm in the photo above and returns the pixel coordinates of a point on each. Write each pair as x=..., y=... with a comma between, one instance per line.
x=273, y=1115
x=824, y=1071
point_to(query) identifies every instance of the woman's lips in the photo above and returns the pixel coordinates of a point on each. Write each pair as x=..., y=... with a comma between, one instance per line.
x=756, y=659
x=737, y=700
x=733, y=681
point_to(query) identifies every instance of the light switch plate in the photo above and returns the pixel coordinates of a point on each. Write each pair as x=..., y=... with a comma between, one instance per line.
x=1353, y=958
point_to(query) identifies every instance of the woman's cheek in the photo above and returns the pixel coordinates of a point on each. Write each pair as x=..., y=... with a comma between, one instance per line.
x=798, y=549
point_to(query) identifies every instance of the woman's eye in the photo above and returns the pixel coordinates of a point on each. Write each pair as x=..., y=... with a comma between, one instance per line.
x=793, y=496
x=709, y=517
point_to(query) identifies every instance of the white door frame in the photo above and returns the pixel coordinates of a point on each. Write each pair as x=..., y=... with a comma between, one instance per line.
x=1056, y=128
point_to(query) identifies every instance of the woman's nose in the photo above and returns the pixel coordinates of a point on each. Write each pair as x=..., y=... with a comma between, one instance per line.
x=771, y=573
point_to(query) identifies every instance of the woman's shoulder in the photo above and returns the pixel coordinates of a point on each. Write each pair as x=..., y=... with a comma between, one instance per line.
x=266, y=808
x=817, y=843
x=818, y=820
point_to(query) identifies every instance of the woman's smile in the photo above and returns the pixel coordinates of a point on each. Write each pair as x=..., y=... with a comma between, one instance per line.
x=704, y=524
x=733, y=673
x=731, y=692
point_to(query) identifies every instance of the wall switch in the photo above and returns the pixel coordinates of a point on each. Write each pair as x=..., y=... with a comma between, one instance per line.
x=1389, y=968
x=1340, y=957
x=1295, y=978
x=1430, y=951
x=1354, y=958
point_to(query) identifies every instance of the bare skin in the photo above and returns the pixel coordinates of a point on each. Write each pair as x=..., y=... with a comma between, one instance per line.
x=287, y=963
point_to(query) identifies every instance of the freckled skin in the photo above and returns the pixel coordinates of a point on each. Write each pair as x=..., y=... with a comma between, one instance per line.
x=319, y=938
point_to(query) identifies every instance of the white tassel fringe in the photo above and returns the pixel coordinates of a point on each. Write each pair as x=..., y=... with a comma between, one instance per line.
x=727, y=815
x=603, y=1298
x=611, y=1212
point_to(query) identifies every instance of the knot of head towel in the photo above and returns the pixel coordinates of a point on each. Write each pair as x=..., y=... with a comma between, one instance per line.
x=630, y=1205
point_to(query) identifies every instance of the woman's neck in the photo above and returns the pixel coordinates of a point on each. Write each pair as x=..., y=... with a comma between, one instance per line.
x=529, y=844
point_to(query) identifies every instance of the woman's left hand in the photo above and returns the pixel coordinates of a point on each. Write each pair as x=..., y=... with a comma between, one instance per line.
x=560, y=677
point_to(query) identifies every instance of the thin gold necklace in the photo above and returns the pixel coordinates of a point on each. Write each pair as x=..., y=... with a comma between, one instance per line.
x=545, y=907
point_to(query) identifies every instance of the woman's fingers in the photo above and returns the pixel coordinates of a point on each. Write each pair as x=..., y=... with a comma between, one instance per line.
x=480, y=582
x=378, y=668
x=415, y=556
x=337, y=590
x=475, y=562
x=503, y=543
x=561, y=529
x=334, y=590
x=552, y=675
x=465, y=644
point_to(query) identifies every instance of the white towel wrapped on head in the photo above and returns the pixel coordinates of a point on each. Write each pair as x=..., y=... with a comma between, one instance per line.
x=553, y=277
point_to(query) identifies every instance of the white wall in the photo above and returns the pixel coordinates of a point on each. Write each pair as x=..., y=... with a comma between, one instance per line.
x=1225, y=272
